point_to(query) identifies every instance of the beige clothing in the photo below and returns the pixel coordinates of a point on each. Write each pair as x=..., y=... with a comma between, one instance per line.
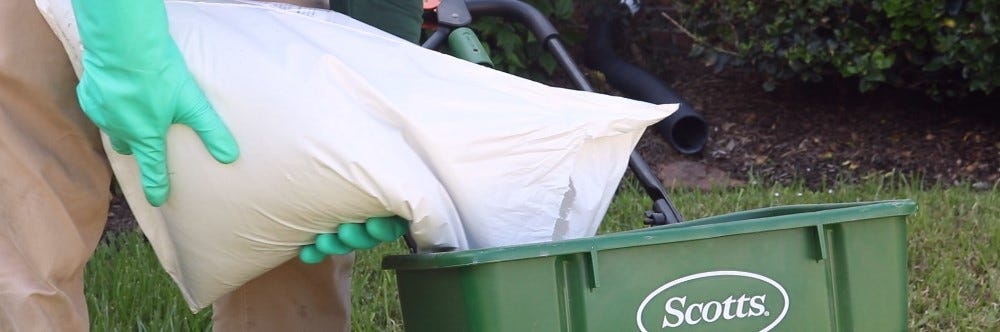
x=54, y=195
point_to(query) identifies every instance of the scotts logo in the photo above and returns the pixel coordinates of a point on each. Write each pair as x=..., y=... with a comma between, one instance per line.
x=714, y=301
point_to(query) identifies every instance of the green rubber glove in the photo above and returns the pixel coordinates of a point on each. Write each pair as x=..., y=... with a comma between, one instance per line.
x=135, y=85
x=350, y=237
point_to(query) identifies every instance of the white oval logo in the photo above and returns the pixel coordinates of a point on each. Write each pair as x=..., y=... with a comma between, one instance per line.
x=685, y=309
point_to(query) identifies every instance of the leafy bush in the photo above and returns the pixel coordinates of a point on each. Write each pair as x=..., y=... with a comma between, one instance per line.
x=944, y=48
x=514, y=49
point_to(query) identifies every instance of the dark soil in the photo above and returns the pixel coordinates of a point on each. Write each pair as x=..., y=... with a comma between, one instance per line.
x=120, y=217
x=822, y=135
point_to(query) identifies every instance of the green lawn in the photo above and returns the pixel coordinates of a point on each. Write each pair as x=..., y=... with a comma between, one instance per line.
x=954, y=253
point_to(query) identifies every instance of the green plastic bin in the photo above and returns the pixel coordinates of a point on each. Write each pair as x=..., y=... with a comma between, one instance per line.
x=831, y=267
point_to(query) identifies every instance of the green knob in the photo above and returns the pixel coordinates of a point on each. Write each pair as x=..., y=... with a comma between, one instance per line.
x=465, y=45
x=311, y=255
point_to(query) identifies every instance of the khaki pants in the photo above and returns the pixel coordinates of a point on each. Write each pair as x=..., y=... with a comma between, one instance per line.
x=54, y=195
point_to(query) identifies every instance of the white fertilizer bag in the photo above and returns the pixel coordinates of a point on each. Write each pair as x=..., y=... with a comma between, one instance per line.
x=338, y=122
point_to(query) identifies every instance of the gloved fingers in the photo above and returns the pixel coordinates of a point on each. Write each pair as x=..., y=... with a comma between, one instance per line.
x=196, y=112
x=386, y=229
x=311, y=255
x=152, y=159
x=330, y=244
x=91, y=104
x=90, y=101
x=355, y=236
x=120, y=146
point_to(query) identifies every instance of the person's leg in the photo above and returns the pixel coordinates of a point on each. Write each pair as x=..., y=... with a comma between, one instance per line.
x=54, y=179
x=294, y=296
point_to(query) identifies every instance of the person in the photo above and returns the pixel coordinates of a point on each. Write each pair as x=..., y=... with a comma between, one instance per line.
x=55, y=179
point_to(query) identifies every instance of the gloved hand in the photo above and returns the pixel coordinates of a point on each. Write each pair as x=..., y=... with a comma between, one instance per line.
x=135, y=84
x=354, y=236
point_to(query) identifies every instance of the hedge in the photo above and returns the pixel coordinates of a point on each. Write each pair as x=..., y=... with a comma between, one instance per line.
x=947, y=49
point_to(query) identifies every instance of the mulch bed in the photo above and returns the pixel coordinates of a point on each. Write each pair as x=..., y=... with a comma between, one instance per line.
x=820, y=134
x=826, y=134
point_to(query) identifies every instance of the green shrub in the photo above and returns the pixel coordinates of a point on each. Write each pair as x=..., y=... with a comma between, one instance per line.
x=945, y=48
x=514, y=49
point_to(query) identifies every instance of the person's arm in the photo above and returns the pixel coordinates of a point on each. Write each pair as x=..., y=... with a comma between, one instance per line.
x=135, y=84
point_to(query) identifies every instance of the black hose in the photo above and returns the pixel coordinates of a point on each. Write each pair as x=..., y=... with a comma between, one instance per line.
x=685, y=130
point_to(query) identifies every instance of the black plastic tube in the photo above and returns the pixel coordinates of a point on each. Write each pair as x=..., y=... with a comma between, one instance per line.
x=685, y=130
